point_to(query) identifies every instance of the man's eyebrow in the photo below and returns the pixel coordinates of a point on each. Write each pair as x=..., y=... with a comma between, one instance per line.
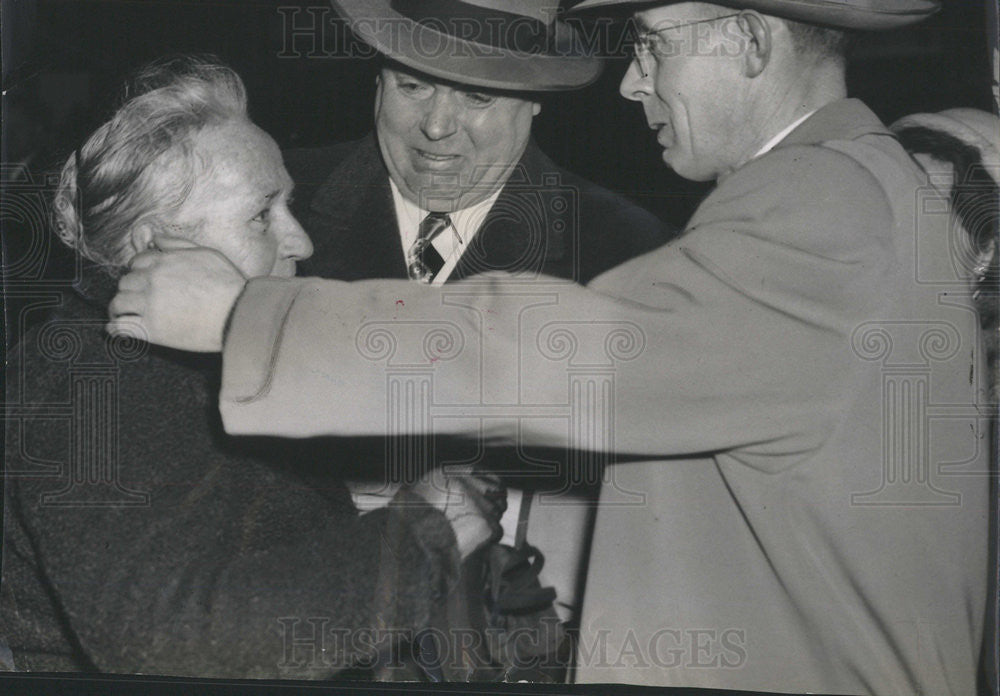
x=401, y=75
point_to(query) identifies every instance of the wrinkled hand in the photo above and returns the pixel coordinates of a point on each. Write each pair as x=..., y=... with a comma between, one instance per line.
x=472, y=502
x=178, y=295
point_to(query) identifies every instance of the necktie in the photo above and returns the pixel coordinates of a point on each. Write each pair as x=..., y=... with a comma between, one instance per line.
x=422, y=260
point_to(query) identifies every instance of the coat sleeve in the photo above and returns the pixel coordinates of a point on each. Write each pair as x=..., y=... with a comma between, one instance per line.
x=737, y=334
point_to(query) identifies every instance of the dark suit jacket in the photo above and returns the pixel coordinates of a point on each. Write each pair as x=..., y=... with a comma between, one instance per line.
x=546, y=220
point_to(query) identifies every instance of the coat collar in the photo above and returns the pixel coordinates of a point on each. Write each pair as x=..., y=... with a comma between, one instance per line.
x=845, y=119
x=521, y=233
x=356, y=235
x=352, y=221
x=354, y=182
x=95, y=286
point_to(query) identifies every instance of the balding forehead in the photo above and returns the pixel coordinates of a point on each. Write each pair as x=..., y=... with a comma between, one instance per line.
x=250, y=142
x=232, y=156
x=236, y=159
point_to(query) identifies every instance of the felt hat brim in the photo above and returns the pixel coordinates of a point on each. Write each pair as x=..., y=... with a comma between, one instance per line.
x=564, y=65
x=867, y=15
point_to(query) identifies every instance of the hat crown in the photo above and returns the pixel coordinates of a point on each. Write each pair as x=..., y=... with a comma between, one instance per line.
x=543, y=11
x=516, y=45
x=847, y=14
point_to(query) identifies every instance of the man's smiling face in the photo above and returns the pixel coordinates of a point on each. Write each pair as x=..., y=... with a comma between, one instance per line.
x=448, y=146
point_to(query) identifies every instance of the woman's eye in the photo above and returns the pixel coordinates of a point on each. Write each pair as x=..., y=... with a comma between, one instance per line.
x=262, y=217
x=479, y=99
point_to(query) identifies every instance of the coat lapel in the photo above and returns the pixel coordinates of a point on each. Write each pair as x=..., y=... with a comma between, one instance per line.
x=524, y=231
x=352, y=221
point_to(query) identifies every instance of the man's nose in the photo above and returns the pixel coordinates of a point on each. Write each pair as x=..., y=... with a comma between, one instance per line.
x=293, y=242
x=441, y=118
x=635, y=85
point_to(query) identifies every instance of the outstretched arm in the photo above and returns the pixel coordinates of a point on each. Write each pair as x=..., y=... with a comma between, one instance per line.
x=738, y=334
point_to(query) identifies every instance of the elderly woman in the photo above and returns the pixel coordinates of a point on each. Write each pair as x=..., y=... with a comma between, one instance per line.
x=137, y=536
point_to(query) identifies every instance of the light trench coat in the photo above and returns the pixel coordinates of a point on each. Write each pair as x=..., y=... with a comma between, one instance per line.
x=785, y=402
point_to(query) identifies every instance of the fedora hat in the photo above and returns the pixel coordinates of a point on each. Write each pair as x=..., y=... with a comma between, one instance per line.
x=845, y=14
x=514, y=45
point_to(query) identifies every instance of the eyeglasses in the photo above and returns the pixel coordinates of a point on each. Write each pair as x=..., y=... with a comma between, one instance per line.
x=650, y=42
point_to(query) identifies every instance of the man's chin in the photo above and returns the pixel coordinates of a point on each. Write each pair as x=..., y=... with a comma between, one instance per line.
x=445, y=199
x=684, y=169
x=670, y=159
x=447, y=196
x=284, y=271
x=428, y=192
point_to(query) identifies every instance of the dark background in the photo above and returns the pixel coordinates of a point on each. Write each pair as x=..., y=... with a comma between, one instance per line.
x=64, y=62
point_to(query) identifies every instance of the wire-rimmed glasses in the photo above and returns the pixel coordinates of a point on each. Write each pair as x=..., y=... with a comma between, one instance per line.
x=650, y=43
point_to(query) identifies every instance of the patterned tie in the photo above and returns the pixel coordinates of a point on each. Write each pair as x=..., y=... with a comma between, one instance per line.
x=422, y=260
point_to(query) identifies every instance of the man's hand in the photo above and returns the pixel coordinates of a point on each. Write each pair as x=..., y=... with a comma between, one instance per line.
x=178, y=295
x=472, y=503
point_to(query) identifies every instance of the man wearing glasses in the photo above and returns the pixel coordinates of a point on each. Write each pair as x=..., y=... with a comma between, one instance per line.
x=805, y=502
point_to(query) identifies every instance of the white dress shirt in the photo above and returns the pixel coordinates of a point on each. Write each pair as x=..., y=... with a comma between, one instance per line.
x=451, y=243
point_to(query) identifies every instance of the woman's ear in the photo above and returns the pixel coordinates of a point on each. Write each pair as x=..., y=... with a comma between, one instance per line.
x=141, y=237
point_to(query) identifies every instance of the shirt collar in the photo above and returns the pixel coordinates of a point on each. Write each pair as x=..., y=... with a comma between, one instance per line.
x=781, y=135
x=464, y=223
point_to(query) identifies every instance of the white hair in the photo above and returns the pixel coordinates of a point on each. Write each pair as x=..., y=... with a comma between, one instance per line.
x=110, y=184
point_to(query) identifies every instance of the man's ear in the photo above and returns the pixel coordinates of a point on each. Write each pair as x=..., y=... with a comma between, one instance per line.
x=757, y=32
x=379, y=85
x=141, y=236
